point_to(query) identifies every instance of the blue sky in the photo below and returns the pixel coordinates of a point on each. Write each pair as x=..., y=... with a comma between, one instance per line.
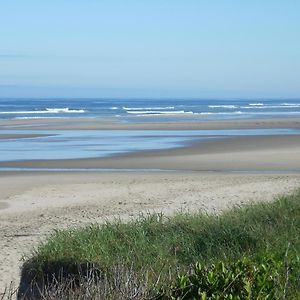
x=150, y=48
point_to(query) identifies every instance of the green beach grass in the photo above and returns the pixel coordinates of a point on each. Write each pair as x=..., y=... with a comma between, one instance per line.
x=157, y=248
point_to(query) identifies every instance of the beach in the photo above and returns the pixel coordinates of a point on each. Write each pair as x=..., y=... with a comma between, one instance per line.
x=146, y=141
x=210, y=175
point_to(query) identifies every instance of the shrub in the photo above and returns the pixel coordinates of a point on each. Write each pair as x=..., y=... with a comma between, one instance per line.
x=240, y=280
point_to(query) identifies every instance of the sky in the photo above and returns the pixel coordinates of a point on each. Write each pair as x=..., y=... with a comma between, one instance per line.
x=166, y=48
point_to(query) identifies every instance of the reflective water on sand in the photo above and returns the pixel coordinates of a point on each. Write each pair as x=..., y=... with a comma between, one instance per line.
x=71, y=144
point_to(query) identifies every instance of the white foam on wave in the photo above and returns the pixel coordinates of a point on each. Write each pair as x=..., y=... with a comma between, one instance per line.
x=147, y=108
x=222, y=106
x=46, y=111
x=272, y=106
x=256, y=104
x=291, y=104
x=157, y=112
x=180, y=112
x=34, y=118
x=114, y=108
x=64, y=110
x=221, y=113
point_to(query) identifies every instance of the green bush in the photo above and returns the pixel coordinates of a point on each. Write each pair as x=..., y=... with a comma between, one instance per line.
x=240, y=280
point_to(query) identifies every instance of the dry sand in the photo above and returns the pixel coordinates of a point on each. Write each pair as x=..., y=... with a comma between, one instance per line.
x=32, y=204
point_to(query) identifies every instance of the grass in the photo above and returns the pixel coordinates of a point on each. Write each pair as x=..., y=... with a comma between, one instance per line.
x=156, y=246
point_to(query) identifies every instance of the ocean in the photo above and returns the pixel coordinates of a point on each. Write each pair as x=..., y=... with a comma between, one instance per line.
x=148, y=110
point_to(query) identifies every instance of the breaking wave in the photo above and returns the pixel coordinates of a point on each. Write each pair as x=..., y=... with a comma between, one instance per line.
x=46, y=111
x=148, y=108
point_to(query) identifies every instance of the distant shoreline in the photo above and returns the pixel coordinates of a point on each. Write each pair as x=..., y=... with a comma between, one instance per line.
x=116, y=124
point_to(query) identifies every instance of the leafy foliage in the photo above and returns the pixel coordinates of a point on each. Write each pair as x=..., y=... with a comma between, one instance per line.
x=237, y=281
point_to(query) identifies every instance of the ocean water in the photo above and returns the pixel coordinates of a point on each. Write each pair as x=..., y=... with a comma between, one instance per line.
x=72, y=144
x=148, y=110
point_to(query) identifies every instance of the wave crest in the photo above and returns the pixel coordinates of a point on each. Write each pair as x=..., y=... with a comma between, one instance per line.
x=46, y=111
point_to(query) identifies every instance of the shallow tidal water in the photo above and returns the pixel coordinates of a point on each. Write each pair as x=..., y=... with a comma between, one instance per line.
x=72, y=144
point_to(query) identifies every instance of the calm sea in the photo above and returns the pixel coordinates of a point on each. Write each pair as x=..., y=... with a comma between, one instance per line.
x=148, y=109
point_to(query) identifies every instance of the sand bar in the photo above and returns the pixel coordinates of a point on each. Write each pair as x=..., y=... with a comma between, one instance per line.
x=20, y=136
x=119, y=124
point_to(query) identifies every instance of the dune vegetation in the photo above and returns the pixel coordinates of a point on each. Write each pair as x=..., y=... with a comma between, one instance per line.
x=250, y=252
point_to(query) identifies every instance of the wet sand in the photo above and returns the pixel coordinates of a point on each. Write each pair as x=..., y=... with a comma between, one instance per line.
x=119, y=124
x=248, y=153
x=20, y=136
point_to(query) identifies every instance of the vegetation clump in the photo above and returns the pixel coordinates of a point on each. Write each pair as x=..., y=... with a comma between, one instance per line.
x=259, y=241
x=239, y=280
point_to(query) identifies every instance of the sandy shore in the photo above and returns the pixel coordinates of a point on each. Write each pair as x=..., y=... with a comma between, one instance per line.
x=32, y=204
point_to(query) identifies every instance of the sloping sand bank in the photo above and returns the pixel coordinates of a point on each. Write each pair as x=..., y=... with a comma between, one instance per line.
x=33, y=204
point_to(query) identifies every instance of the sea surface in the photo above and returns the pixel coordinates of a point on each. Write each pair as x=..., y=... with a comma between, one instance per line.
x=148, y=110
